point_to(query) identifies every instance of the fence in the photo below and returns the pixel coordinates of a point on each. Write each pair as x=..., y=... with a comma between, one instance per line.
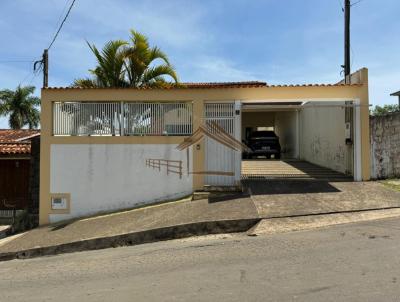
x=173, y=166
x=122, y=118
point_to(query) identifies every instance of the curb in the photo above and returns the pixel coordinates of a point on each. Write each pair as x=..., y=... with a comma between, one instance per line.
x=4, y=230
x=308, y=222
x=136, y=238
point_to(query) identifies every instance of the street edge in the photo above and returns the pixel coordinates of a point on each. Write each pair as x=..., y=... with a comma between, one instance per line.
x=136, y=238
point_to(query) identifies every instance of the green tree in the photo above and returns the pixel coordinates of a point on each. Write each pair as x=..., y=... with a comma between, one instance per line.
x=21, y=106
x=133, y=64
x=386, y=109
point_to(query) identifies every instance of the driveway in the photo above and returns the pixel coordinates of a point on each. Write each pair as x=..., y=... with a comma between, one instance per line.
x=288, y=169
x=293, y=197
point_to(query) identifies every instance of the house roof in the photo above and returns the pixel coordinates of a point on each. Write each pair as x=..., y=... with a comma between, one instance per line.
x=209, y=85
x=16, y=141
x=396, y=93
x=245, y=84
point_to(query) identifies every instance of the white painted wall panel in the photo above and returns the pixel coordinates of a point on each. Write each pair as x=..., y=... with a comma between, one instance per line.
x=322, y=136
x=286, y=127
x=105, y=177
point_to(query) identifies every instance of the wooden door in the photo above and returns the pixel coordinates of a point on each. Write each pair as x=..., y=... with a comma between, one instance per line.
x=14, y=183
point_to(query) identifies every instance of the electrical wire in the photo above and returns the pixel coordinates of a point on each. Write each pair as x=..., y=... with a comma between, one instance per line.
x=17, y=61
x=341, y=6
x=61, y=15
x=355, y=3
x=61, y=25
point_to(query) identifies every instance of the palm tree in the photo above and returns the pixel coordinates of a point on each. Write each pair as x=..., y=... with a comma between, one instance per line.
x=140, y=67
x=21, y=106
x=121, y=64
x=110, y=69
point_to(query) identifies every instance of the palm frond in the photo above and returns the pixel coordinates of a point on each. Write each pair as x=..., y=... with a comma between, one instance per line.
x=123, y=64
x=84, y=83
x=154, y=73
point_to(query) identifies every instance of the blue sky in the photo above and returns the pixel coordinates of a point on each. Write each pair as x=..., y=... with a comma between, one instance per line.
x=291, y=41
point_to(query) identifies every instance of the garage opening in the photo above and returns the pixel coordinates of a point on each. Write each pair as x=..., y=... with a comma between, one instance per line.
x=305, y=139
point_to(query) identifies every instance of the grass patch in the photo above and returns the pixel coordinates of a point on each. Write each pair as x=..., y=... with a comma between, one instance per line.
x=394, y=184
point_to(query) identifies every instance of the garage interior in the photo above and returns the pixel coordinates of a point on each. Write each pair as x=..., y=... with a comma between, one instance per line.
x=316, y=139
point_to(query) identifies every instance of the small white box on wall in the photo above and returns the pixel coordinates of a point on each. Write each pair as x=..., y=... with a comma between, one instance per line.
x=59, y=203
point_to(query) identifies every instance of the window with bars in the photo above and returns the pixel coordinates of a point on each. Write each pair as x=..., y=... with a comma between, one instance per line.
x=122, y=118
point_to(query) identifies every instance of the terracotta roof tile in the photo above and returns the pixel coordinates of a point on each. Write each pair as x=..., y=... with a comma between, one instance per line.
x=11, y=136
x=246, y=84
x=208, y=85
x=314, y=85
x=16, y=141
x=18, y=148
x=200, y=85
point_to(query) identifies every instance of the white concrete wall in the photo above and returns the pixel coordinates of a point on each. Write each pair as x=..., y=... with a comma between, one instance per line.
x=257, y=119
x=286, y=127
x=322, y=136
x=105, y=177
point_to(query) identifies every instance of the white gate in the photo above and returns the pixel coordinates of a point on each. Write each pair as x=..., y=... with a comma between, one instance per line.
x=219, y=158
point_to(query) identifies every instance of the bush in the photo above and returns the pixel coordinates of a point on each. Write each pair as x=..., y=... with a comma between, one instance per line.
x=386, y=109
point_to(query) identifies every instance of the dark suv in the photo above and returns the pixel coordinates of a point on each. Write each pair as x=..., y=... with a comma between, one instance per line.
x=263, y=143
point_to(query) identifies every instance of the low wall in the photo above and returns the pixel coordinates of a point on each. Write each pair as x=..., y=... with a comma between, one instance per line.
x=385, y=146
x=107, y=177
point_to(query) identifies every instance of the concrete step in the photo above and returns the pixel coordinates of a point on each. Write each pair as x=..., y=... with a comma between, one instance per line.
x=4, y=229
x=208, y=188
x=200, y=195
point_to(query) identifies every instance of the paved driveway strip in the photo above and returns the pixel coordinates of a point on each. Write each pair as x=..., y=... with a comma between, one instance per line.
x=285, y=198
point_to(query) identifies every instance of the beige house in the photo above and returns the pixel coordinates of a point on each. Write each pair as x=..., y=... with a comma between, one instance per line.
x=109, y=149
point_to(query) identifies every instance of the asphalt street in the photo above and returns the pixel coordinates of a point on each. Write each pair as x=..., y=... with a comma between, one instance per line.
x=352, y=262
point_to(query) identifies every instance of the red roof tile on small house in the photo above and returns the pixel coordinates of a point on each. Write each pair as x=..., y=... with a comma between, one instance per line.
x=16, y=141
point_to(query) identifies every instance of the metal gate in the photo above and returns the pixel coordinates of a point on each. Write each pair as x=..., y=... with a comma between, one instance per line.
x=219, y=158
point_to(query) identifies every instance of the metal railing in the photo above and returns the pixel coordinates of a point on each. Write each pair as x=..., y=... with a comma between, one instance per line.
x=158, y=118
x=172, y=166
x=122, y=118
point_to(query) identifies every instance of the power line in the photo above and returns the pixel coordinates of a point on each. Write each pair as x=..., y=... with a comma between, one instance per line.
x=61, y=25
x=61, y=14
x=43, y=64
x=17, y=61
x=355, y=3
x=341, y=5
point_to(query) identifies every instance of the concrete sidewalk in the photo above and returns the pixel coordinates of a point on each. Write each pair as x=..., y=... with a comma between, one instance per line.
x=170, y=214
x=274, y=201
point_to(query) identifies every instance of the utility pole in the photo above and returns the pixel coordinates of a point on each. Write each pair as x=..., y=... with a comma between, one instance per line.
x=45, y=68
x=347, y=8
x=45, y=63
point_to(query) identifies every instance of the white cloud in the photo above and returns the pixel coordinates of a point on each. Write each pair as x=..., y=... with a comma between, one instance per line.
x=169, y=23
x=207, y=68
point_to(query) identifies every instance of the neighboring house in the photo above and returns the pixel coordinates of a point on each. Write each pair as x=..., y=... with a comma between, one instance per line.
x=107, y=149
x=19, y=169
x=396, y=94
